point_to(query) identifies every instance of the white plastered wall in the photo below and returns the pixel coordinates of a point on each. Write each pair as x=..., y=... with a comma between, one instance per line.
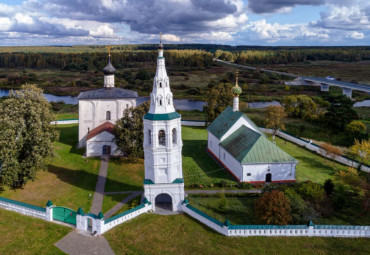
x=94, y=146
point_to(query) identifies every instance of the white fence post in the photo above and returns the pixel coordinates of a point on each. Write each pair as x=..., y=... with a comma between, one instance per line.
x=49, y=211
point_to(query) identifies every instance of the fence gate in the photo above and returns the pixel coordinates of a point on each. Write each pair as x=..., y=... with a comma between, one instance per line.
x=64, y=214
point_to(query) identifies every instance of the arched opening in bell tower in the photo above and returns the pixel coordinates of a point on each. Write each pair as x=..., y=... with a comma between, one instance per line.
x=163, y=201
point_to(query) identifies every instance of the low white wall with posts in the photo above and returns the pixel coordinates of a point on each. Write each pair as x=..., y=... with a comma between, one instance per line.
x=316, y=148
x=65, y=122
x=123, y=217
x=24, y=208
x=275, y=230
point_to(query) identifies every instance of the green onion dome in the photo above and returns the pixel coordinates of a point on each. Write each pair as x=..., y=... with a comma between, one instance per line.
x=236, y=90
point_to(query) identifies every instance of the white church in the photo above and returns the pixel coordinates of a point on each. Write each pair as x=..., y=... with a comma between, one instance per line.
x=237, y=143
x=98, y=111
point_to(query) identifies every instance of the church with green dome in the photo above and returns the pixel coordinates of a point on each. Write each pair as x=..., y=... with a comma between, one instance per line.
x=244, y=150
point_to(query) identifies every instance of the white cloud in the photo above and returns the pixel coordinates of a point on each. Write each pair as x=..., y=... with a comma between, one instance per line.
x=171, y=38
x=5, y=24
x=355, y=35
x=103, y=31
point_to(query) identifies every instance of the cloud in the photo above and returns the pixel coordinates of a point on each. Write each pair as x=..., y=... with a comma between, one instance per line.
x=272, y=6
x=353, y=17
x=355, y=35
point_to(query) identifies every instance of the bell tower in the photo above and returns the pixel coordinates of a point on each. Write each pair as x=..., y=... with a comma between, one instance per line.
x=163, y=184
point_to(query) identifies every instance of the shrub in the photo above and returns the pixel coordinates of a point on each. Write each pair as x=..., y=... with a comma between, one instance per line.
x=311, y=191
x=273, y=208
x=300, y=209
x=329, y=187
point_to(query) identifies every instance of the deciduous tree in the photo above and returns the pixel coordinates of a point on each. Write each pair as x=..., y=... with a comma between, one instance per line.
x=362, y=150
x=273, y=208
x=26, y=135
x=218, y=98
x=128, y=131
x=274, y=118
x=301, y=106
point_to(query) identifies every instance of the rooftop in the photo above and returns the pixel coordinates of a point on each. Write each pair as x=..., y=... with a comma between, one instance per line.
x=107, y=93
x=106, y=126
x=248, y=146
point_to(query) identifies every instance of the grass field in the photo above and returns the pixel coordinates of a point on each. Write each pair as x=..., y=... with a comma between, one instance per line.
x=27, y=235
x=179, y=234
x=110, y=201
x=69, y=179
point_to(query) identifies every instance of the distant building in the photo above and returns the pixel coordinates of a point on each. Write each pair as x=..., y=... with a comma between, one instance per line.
x=163, y=184
x=236, y=142
x=98, y=111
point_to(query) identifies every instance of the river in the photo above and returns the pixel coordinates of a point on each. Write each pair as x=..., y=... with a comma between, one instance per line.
x=180, y=104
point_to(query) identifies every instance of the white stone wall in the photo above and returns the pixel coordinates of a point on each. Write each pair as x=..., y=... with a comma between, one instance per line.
x=174, y=190
x=107, y=226
x=231, y=163
x=94, y=146
x=23, y=209
x=213, y=144
x=192, y=123
x=92, y=113
x=64, y=122
x=279, y=172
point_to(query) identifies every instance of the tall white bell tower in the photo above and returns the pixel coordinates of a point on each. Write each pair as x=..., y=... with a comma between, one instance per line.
x=163, y=182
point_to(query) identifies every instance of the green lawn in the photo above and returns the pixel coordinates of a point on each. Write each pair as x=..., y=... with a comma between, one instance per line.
x=125, y=175
x=66, y=116
x=69, y=180
x=311, y=166
x=27, y=235
x=128, y=205
x=179, y=234
x=198, y=166
x=110, y=201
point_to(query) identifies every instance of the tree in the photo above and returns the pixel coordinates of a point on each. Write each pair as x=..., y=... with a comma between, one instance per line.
x=273, y=208
x=128, y=131
x=340, y=112
x=218, y=98
x=274, y=117
x=352, y=178
x=311, y=191
x=356, y=130
x=26, y=135
x=301, y=106
x=329, y=187
x=362, y=150
x=300, y=209
x=330, y=151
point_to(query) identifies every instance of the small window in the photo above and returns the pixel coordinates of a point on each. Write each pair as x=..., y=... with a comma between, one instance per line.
x=160, y=101
x=169, y=101
x=126, y=106
x=249, y=174
x=88, y=130
x=224, y=155
x=160, y=84
x=162, y=137
x=108, y=115
x=174, y=136
x=150, y=137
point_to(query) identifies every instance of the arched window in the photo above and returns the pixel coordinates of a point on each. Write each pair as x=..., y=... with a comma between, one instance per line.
x=160, y=84
x=150, y=136
x=162, y=137
x=174, y=136
x=108, y=115
x=160, y=101
x=169, y=100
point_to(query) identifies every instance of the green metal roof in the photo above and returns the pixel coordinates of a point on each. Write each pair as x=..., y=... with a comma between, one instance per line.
x=178, y=180
x=165, y=116
x=226, y=120
x=248, y=146
x=148, y=181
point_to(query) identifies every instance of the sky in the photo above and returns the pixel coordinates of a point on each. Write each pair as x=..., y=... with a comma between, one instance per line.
x=230, y=22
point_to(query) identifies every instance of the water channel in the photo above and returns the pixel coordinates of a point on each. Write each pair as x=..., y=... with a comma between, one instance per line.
x=180, y=104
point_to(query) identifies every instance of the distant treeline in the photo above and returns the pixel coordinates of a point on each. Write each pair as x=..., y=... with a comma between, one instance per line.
x=188, y=55
x=284, y=56
x=97, y=60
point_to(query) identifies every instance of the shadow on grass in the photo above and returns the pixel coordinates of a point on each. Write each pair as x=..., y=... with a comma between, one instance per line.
x=317, y=164
x=196, y=149
x=69, y=136
x=85, y=180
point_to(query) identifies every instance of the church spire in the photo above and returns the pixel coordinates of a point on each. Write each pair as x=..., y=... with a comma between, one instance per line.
x=109, y=72
x=236, y=90
x=161, y=97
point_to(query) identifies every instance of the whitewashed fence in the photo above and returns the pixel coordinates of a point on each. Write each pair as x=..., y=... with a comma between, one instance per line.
x=193, y=123
x=125, y=216
x=64, y=122
x=316, y=148
x=275, y=230
x=23, y=208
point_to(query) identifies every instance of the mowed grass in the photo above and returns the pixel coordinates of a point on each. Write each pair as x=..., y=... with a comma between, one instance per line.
x=66, y=116
x=69, y=180
x=198, y=166
x=110, y=201
x=311, y=166
x=125, y=175
x=27, y=235
x=180, y=234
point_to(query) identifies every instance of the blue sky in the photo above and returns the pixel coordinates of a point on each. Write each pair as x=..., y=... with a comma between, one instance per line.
x=232, y=22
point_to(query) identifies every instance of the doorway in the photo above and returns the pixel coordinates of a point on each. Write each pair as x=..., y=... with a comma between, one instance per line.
x=163, y=202
x=106, y=150
x=268, y=177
